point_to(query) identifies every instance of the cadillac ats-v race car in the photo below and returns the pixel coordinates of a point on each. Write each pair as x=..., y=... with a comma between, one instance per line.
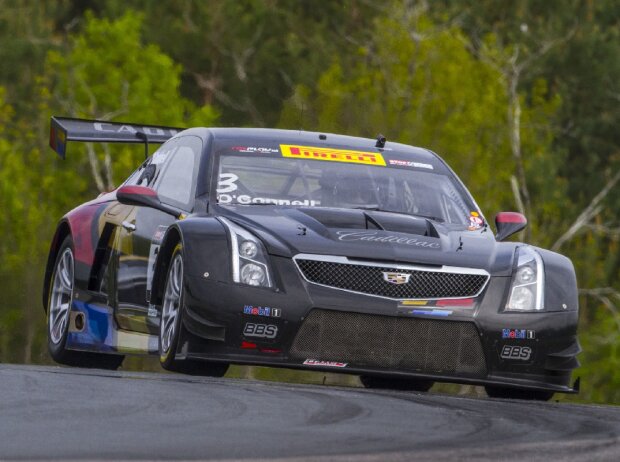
x=310, y=251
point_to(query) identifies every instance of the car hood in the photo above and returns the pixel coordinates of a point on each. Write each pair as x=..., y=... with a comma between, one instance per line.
x=373, y=235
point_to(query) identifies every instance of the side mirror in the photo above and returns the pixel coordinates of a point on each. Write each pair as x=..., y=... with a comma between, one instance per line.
x=146, y=197
x=508, y=223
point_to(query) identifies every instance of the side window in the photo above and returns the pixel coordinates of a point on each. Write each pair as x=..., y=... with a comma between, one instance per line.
x=134, y=178
x=147, y=173
x=177, y=182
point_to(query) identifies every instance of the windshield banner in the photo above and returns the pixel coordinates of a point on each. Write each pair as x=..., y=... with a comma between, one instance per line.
x=334, y=155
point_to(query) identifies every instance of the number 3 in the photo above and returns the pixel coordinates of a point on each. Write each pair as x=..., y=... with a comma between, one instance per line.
x=227, y=183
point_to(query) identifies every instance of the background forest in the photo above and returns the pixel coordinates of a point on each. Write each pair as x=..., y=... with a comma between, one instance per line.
x=521, y=98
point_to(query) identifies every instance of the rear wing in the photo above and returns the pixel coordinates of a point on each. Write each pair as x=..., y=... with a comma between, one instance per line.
x=65, y=129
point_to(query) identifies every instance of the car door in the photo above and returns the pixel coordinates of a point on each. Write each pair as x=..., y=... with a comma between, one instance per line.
x=174, y=179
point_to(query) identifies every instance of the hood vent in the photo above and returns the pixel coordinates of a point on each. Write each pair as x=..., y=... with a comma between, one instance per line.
x=368, y=219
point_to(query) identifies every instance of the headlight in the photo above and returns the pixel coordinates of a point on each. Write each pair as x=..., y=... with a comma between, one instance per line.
x=248, y=249
x=249, y=259
x=252, y=275
x=527, y=290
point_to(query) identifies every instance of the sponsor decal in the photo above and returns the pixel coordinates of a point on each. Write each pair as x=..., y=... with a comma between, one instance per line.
x=423, y=311
x=374, y=236
x=333, y=155
x=396, y=278
x=413, y=303
x=266, y=311
x=408, y=163
x=254, y=149
x=316, y=362
x=432, y=307
x=158, y=236
x=156, y=240
x=260, y=330
x=160, y=156
x=518, y=334
x=475, y=221
x=244, y=199
x=521, y=353
x=105, y=127
x=461, y=302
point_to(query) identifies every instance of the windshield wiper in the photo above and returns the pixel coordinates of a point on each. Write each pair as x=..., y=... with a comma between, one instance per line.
x=379, y=209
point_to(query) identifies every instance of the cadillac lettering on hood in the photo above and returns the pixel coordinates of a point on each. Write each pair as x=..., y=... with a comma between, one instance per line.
x=310, y=251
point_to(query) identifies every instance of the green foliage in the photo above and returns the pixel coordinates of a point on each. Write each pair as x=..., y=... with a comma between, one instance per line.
x=418, y=83
x=107, y=72
x=26, y=34
x=246, y=55
x=600, y=360
x=22, y=209
x=107, y=69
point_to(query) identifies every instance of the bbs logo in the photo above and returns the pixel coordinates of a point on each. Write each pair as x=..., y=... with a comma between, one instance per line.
x=260, y=330
x=522, y=353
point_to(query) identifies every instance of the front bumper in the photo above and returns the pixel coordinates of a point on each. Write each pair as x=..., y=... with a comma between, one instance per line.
x=520, y=350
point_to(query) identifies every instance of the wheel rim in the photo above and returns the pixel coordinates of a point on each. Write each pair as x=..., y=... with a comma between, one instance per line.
x=62, y=294
x=172, y=304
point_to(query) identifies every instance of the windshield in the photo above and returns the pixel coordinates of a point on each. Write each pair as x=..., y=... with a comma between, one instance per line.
x=281, y=176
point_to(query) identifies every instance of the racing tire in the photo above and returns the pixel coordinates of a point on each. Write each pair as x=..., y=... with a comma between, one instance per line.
x=59, y=302
x=515, y=393
x=384, y=383
x=171, y=329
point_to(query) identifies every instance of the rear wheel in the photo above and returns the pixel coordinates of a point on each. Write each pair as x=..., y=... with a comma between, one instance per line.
x=171, y=328
x=371, y=381
x=59, y=303
x=515, y=393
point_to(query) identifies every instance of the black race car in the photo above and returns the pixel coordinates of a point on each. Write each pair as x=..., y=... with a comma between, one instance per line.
x=309, y=251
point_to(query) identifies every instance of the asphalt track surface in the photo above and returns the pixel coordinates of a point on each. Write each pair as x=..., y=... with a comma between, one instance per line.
x=62, y=413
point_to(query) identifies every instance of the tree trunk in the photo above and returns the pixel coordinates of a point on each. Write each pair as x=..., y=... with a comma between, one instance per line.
x=514, y=124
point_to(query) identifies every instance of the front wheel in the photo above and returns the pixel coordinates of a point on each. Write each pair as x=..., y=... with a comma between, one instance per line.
x=59, y=302
x=515, y=393
x=371, y=381
x=171, y=328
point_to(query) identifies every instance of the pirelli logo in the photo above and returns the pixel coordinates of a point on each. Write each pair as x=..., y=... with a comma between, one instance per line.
x=333, y=155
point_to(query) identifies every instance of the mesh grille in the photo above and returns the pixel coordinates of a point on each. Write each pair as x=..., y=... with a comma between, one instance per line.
x=413, y=344
x=369, y=280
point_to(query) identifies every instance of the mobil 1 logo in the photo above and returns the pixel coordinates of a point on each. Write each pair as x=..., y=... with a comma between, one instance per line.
x=518, y=352
x=260, y=330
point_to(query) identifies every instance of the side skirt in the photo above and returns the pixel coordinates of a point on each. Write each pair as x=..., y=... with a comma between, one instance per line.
x=92, y=328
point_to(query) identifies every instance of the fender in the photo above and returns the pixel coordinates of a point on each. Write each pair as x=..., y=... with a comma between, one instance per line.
x=205, y=247
x=560, y=282
x=82, y=223
x=172, y=237
x=62, y=231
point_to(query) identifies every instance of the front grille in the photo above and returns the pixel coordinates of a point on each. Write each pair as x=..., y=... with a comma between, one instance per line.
x=369, y=280
x=375, y=341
